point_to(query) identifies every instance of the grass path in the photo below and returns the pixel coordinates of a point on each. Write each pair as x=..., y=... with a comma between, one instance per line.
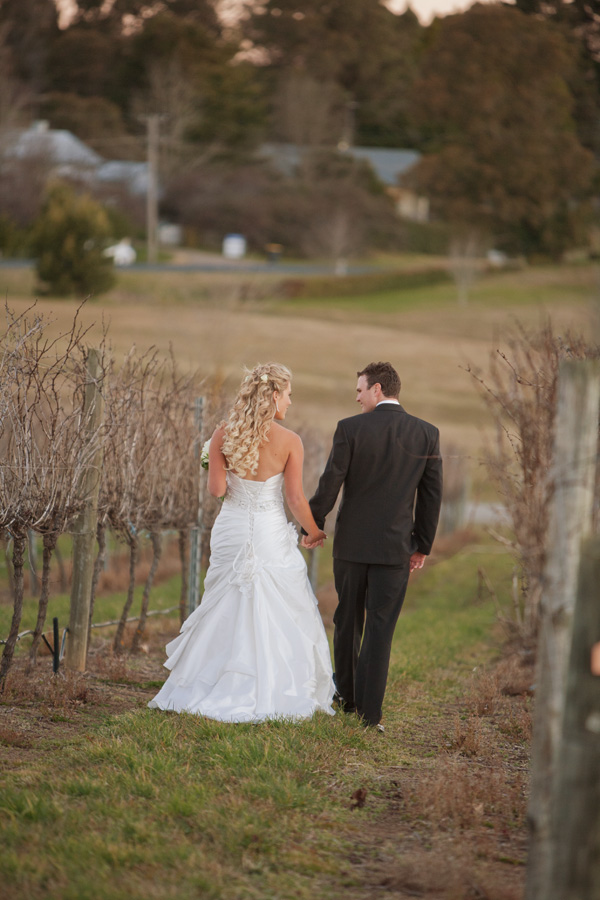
x=102, y=799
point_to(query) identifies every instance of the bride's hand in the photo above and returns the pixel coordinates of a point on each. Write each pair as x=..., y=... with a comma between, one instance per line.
x=310, y=541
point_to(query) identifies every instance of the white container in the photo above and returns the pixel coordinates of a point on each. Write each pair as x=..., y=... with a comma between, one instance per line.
x=234, y=246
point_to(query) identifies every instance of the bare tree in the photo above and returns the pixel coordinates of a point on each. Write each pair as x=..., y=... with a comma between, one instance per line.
x=337, y=233
x=520, y=390
x=308, y=113
x=175, y=487
x=129, y=444
x=43, y=446
x=151, y=472
x=465, y=253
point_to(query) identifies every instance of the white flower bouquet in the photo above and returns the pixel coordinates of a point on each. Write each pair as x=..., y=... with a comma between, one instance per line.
x=204, y=454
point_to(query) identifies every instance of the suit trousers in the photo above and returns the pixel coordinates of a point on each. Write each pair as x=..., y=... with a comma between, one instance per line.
x=370, y=597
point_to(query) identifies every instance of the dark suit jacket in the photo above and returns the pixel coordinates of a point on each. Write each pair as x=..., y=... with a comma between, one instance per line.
x=390, y=467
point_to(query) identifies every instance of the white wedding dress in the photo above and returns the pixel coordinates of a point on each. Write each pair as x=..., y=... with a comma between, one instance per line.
x=255, y=648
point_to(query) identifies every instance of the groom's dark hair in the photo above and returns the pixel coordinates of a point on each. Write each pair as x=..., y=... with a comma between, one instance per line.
x=382, y=373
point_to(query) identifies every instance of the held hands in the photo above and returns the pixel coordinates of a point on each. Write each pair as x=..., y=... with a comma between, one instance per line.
x=310, y=541
x=417, y=561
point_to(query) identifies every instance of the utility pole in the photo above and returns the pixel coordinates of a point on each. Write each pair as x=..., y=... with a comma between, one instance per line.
x=152, y=126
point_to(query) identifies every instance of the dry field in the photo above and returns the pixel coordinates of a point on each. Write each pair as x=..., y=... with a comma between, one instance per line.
x=220, y=322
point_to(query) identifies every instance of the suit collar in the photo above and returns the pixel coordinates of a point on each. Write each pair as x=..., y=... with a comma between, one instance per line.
x=385, y=407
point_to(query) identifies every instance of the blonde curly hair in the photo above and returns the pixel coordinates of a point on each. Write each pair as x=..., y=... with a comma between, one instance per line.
x=247, y=427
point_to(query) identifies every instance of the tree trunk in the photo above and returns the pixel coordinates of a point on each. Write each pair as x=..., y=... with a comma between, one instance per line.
x=133, y=556
x=62, y=575
x=18, y=556
x=49, y=545
x=184, y=543
x=34, y=582
x=98, y=565
x=9, y=567
x=156, y=538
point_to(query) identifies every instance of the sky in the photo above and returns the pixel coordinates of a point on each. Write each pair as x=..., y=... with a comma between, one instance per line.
x=424, y=9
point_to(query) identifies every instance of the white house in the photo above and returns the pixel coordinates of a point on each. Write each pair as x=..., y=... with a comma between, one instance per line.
x=69, y=157
x=388, y=164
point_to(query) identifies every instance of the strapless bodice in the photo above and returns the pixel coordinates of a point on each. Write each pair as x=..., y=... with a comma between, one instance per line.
x=254, y=495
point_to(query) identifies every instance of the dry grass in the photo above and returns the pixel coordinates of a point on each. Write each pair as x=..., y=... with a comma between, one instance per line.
x=210, y=328
x=459, y=817
x=63, y=691
x=460, y=794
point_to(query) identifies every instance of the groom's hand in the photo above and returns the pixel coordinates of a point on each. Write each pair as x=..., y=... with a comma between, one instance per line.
x=417, y=561
x=307, y=544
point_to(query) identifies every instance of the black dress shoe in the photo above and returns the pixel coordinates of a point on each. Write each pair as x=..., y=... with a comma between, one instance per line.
x=343, y=704
x=376, y=726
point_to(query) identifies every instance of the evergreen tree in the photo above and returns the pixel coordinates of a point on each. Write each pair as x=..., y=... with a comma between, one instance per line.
x=361, y=47
x=28, y=28
x=68, y=242
x=496, y=115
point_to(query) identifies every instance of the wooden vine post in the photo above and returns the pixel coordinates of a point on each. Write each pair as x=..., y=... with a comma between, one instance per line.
x=573, y=478
x=575, y=871
x=84, y=529
x=195, y=563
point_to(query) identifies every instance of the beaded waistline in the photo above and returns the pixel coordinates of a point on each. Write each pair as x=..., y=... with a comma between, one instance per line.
x=253, y=503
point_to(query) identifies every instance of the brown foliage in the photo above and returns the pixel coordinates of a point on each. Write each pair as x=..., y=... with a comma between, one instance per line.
x=151, y=472
x=520, y=390
x=44, y=445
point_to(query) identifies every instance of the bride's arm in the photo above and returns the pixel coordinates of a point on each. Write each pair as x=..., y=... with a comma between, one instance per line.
x=294, y=491
x=217, y=479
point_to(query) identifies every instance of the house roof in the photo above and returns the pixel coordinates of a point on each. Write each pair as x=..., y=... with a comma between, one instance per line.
x=60, y=147
x=388, y=164
x=71, y=157
x=133, y=174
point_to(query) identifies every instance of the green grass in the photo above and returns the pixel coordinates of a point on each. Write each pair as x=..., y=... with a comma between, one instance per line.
x=432, y=289
x=171, y=806
x=107, y=606
x=396, y=283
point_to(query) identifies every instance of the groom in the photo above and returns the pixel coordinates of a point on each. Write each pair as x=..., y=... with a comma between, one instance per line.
x=389, y=465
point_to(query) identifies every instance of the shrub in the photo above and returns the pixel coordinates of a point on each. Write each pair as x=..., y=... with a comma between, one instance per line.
x=14, y=241
x=68, y=242
x=520, y=390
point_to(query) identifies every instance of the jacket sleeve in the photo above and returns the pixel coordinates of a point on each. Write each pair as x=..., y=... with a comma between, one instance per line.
x=333, y=476
x=429, y=499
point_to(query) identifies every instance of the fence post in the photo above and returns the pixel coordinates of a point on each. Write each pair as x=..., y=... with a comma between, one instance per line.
x=196, y=531
x=84, y=529
x=573, y=476
x=576, y=833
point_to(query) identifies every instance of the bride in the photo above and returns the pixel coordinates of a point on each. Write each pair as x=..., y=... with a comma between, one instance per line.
x=255, y=648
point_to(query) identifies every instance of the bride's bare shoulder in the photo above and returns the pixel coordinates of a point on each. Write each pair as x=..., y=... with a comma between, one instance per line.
x=284, y=435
